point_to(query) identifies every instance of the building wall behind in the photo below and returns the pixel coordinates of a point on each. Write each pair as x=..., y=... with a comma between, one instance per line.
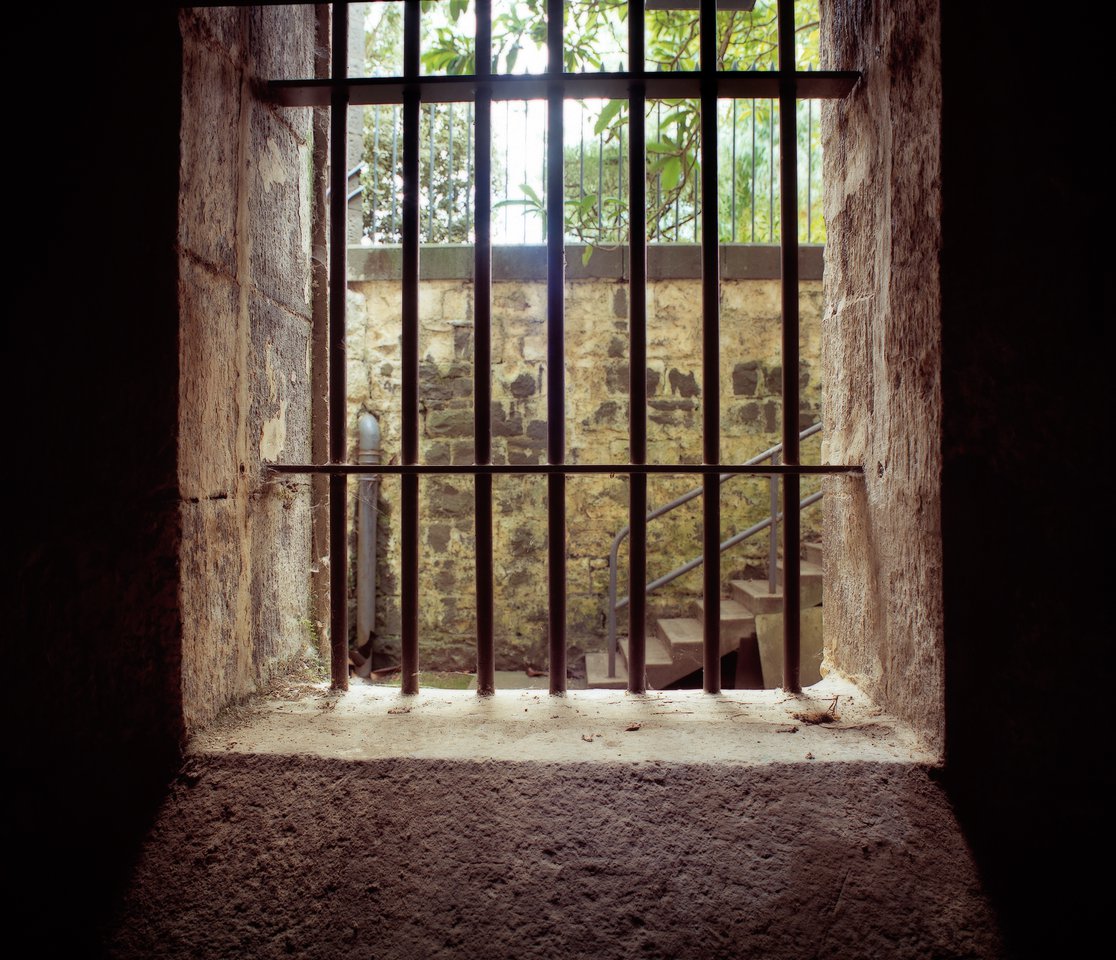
x=597, y=373
x=244, y=387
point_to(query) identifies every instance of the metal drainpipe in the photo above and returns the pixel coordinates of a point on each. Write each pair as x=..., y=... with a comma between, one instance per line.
x=368, y=451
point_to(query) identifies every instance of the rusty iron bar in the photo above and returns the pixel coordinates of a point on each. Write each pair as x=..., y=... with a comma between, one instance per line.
x=680, y=85
x=555, y=350
x=773, y=532
x=637, y=358
x=338, y=208
x=409, y=511
x=788, y=234
x=569, y=469
x=482, y=357
x=710, y=352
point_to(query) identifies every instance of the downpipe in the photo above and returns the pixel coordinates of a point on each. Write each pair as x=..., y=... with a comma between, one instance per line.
x=368, y=493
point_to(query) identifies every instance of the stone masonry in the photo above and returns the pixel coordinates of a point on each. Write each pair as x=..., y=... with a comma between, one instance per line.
x=596, y=431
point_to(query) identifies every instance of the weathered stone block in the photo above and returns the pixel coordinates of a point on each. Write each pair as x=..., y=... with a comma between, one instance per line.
x=438, y=536
x=503, y=424
x=216, y=640
x=745, y=378
x=279, y=236
x=620, y=302
x=282, y=42
x=525, y=450
x=536, y=430
x=208, y=464
x=463, y=452
x=225, y=27
x=279, y=417
x=684, y=384
x=616, y=377
x=437, y=454
x=523, y=386
x=449, y=423
x=280, y=585
x=209, y=172
x=445, y=499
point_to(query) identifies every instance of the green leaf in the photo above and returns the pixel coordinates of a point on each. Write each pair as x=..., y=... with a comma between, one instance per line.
x=529, y=190
x=587, y=254
x=611, y=109
x=672, y=173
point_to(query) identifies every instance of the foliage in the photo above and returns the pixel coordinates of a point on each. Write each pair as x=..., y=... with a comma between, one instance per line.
x=596, y=208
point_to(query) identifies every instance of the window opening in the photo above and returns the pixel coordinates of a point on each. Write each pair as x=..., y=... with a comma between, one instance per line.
x=714, y=78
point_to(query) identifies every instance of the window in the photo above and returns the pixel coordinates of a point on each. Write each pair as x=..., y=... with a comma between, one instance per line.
x=709, y=76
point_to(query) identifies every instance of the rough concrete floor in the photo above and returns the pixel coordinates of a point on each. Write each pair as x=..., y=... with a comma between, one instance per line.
x=373, y=825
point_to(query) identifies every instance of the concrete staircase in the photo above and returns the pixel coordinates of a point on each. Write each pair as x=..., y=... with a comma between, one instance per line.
x=750, y=616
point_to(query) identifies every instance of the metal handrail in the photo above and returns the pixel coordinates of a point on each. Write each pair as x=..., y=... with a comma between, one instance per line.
x=613, y=558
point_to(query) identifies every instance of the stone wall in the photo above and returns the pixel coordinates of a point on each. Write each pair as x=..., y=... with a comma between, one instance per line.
x=596, y=429
x=882, y=358
x=244, y=389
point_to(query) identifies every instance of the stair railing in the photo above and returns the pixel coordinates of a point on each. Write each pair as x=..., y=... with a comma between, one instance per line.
x=770, y=523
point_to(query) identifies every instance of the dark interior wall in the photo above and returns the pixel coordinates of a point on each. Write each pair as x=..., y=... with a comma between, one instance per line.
x=93, y=635
x=93, y=646
x=1026, y=295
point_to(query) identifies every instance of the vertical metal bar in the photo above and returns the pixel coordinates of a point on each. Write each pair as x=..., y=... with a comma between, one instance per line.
x=732, y=236
x=752, y=193
x=809, y=170
x=507, y=166
x=555, y=351
x=482, y=355
x=773, y=531
x=581, y=158
x=788, y=201
x=619, y=176
x=409, y=512
x=710, y=350
x=698, y=200
x=659, y=177
x=394, y=164
x=600, y=183
x=526, y=127
x=469, y=169
x=430, y=180
x=375, y=167
x=771, y=170
x=452, y=192
x=637, y=358
x=319, y=337
x=338, y=208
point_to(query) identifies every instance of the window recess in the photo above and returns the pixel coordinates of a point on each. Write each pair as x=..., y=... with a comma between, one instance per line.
x=706, y=82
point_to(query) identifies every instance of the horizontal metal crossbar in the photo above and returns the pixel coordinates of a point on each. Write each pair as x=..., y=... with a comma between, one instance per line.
x=368, y=91
x=563, y=469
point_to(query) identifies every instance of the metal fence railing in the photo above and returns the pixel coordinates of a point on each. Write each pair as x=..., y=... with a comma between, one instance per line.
x=595, y=172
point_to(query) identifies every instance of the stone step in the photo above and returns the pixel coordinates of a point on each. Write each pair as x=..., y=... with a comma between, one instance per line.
x=736, y=620
x=813, y=549
x=754, y=595
x=596, y=672
x=769, y=637
x=810, y=572
x=657, y=651
x=686, y=637
x=666, y=663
